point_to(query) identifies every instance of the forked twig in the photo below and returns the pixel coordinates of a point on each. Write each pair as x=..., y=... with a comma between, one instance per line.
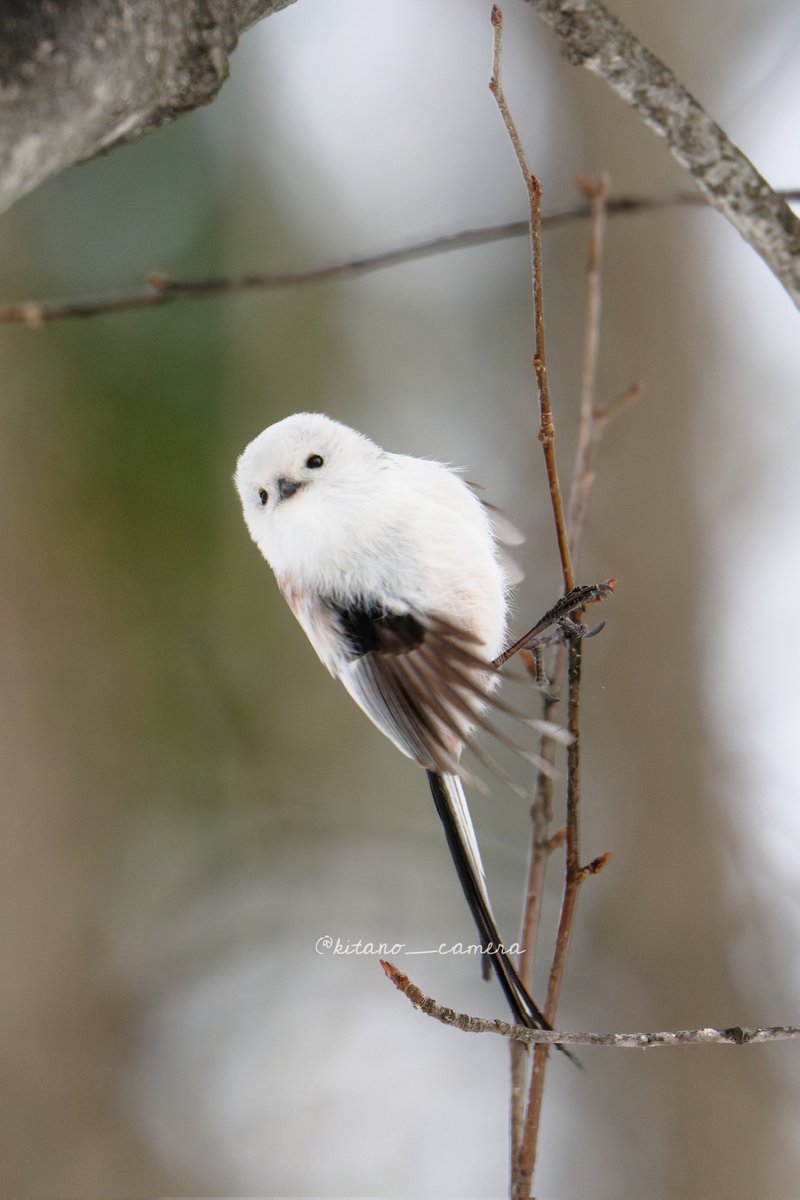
x=525, y=1127
x=543, y=843
x=592, y=424
x=524, y=1150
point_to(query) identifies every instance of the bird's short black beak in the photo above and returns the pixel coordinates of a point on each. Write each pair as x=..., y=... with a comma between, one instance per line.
x=288, y=487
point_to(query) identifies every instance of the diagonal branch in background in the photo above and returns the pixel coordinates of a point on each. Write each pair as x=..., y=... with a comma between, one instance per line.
x=162, y=290
x=589, y=36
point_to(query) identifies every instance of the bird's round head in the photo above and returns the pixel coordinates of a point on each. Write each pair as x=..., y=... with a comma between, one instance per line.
x=297, y=475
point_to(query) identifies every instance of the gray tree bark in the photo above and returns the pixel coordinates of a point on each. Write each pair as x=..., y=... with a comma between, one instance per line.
x=590, y=36
x=79, y=77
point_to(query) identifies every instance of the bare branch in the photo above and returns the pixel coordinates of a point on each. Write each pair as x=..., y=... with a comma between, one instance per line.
x=161, y=290
x=590, y=423
x=589, y=36
x=534, y=189
x=525, y=1133
x=736, y=1035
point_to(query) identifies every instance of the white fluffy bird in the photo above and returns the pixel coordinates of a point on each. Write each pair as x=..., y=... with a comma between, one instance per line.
x=392, y=567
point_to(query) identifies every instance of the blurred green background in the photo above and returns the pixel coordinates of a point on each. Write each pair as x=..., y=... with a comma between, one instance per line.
x=189, y=802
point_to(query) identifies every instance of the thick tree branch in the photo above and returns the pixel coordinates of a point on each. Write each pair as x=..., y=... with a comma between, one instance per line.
x=77, y=79
x=589, y=36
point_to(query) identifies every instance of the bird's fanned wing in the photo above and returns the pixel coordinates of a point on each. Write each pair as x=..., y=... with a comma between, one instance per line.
x=421, y=680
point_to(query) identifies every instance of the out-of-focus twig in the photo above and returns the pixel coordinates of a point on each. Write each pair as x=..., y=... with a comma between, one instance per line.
x=589, y=422
x=161, y=290
x=589, y=36
x=736, y=1035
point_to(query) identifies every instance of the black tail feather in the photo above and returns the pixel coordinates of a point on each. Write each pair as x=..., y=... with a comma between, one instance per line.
x=521, y=1003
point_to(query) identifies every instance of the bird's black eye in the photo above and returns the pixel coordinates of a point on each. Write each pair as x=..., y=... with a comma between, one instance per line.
x=314, y=460
x=263, y=495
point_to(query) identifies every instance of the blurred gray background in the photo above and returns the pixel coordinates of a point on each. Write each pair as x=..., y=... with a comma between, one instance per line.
x=190, y=803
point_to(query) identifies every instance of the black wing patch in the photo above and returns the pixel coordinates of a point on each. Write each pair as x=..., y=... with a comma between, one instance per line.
x=423, y=681
x=369, y=628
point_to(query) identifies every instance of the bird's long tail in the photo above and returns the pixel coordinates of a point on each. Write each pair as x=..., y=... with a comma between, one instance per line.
x=451, y=805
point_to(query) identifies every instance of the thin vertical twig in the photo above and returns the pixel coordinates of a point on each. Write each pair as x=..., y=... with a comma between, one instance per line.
x=568, y=534
x=534, y=190
x=543, y=843
x=524, y=1150
x=574, y=876
x=593, y=418
x=591, y=425
x=588, y=432
x=518, y=1107
x=522, y=1136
